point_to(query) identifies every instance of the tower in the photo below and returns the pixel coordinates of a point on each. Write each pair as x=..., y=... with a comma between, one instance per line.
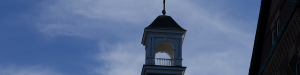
x=166, y=36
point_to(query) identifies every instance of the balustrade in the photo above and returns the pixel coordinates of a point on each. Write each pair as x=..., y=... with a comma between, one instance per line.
x=164, y=62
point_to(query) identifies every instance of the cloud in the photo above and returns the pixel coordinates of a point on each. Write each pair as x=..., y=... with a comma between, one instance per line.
x=27, y=70
x=226, y=63
x=93, y=18
x=67, y=17
x=120, y=59
x=215, y=41
x=87, y=18
x=127, y=58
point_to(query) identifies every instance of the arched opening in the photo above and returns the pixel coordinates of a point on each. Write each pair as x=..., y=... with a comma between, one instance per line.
x=164, y=54
x=165, y=47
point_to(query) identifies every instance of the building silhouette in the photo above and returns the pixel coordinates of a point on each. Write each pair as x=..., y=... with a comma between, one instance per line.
x=277, y=39
x=163, y=35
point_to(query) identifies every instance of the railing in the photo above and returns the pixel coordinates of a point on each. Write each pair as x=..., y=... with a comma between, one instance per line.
x=164, y=62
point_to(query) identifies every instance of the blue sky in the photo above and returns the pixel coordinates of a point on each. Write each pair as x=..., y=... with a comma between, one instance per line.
x=103, y=37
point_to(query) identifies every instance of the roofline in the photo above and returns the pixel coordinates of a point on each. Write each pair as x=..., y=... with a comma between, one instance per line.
x=259, y=37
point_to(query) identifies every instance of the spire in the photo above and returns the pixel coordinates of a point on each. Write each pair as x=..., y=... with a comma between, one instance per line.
x=164, y=11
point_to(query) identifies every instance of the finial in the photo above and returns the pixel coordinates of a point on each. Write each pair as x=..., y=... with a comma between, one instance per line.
x=164, y=11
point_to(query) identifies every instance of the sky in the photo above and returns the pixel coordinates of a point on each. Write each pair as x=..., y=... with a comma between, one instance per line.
x=103, y=37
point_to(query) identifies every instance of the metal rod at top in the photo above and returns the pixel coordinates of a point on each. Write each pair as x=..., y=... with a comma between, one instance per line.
x=164, y=11
x=164, y=4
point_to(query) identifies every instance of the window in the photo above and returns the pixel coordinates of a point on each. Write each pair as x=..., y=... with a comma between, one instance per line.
x=277, y=31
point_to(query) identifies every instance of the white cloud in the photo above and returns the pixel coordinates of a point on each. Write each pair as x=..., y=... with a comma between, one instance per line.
x=207, y=63
x=127, y=58
x=112, y=15
x=92, y=18
x=121, y=59
x=214, y=40
x=82, y=17
x=27, y=70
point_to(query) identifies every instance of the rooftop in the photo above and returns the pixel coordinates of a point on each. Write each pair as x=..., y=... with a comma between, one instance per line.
x=166, y=23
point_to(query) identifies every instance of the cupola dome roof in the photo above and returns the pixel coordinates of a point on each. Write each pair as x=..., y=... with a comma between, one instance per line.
x=164, y=22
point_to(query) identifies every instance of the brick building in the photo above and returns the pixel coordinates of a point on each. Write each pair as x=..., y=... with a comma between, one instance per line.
x=277, y=39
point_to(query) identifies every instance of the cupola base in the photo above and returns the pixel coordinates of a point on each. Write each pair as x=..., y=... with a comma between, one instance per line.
x=162, y=70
